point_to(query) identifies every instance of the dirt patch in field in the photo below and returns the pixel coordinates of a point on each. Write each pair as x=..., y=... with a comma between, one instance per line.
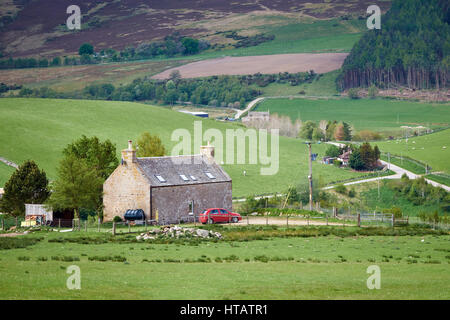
x=269, y=64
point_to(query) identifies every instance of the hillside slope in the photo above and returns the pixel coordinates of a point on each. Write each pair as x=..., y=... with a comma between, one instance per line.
x=37, y=27
x=39, y=129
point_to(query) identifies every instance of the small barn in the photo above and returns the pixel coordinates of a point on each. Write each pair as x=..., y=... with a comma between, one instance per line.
x=169, y=189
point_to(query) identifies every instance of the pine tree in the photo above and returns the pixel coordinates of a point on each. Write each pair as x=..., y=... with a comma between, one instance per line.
x=28, y=184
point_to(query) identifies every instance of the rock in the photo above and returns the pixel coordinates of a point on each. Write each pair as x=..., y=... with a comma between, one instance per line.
x=202, y=233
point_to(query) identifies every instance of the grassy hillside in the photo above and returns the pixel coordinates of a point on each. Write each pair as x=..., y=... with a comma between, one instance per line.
x=39, y=129
x=5, y=173
x=428, y=149
x=363, y=114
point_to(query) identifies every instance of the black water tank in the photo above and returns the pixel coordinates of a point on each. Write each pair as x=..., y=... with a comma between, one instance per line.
x=134, y=214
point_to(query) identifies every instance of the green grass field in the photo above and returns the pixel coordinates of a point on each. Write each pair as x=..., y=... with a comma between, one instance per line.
x=364, y=114
x=405, y=163
x=320, y=268
x=39, y=129
x=428, y=149
x=444, y=179
x=5, y=173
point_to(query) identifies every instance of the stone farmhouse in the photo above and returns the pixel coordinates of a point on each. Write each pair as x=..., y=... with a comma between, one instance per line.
x=168, y=189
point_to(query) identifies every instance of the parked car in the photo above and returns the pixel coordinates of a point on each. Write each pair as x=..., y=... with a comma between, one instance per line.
x=214, y=215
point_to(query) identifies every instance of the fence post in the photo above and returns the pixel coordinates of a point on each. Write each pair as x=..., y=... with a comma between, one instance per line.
x=145, y=224
x=307, y=219
x=85, y=226
x=327, y=218
x=114, y=229
x=393, y=221
x=359, y=220
x=129, y=227
x=287, y=221
x=98, y=224
x=247, y=220
x=3, y=224
x=16, y=222
x=267, y=218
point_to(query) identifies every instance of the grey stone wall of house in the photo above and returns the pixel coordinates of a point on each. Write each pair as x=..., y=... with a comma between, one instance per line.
x=172, y=202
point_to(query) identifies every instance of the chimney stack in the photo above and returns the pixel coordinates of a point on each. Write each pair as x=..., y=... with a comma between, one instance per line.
x=207, y=151
x=129, y=155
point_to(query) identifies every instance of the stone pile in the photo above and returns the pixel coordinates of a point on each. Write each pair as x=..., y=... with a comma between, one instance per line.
x=178, y=232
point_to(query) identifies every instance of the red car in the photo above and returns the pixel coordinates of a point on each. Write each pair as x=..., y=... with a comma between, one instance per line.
x=214, y=215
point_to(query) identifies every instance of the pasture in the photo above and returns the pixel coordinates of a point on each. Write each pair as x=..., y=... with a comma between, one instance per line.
x=413, y=266
x=380, y=115
x=39, y=129
x=432, y=149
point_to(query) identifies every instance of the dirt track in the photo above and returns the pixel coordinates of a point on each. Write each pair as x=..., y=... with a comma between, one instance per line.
x=267, y=64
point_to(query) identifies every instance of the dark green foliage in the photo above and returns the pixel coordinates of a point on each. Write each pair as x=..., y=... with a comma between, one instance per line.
x=86, y=49
x=355, y=161
x=28, y=184
x=411, y=49
x=333, y=151
x=117, y=219
x=100, y=156
x=78, y=186
x=340, y=188
x=190, y=45
x=249, y=41
x=7, y=243
x=364, y=157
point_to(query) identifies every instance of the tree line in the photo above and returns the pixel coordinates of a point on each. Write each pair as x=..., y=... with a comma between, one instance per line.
x=215, y=91
x=172, y=45
x=411, y=49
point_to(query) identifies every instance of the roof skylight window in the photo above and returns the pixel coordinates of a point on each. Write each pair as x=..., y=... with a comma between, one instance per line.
x=160, y=178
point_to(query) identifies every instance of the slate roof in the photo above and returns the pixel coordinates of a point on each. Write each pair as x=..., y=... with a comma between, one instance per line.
x=170, y=169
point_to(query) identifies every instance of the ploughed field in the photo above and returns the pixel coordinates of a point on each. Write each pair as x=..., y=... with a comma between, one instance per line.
x=266, y=64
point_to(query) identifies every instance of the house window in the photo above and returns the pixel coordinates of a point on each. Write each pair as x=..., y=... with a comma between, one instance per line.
x=193, y=178
x=191, y=207
x=160, y=178
x=182, y=176
x=210, y=175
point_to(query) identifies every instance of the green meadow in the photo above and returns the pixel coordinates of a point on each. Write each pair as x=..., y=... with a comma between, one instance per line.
x=324, y=267
x=39, y=129
x=432, y=149
x=380, y=115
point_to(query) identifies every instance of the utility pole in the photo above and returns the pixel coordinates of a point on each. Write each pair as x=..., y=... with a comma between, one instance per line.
x=310, y=177
x=389, y=160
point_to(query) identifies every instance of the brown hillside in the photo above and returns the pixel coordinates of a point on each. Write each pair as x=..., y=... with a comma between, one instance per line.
x=39, y=26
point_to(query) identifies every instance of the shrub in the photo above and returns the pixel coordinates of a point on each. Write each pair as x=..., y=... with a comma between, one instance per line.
x=117, y=219
x=373, y=91
x=353, y=93
x=340, y=188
